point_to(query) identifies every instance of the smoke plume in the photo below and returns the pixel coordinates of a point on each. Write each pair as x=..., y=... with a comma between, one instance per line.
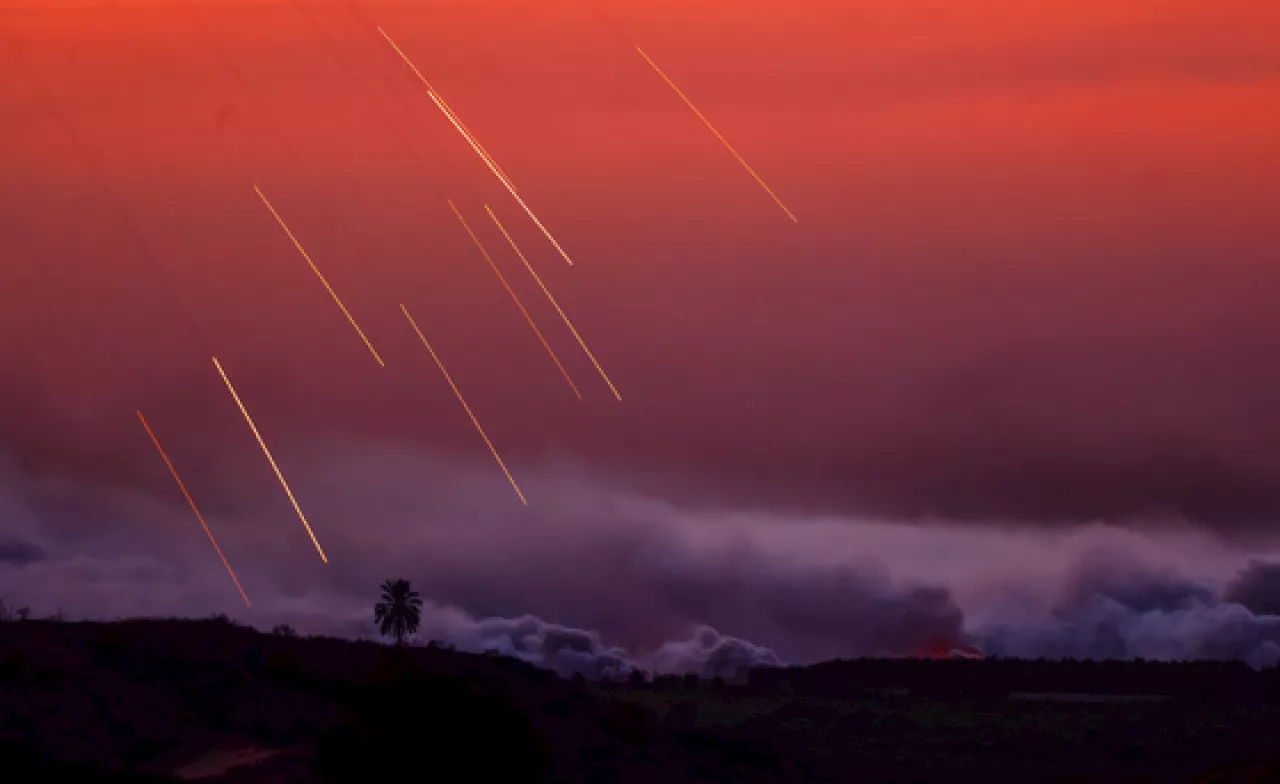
x=594, y=580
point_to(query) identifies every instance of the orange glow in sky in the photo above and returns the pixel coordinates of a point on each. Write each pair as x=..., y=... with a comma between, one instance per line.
x=1024, y=226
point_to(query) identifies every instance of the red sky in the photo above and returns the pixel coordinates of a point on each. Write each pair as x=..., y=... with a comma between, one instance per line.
x=1035, y=274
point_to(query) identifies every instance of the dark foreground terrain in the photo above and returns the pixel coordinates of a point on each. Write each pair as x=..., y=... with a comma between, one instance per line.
x=163, y=701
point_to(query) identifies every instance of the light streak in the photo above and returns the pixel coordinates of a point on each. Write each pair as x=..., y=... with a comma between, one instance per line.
x=319, y=275
x=515, y=298
x=262, y=443
x=183, y=487
x=465, y=407
x=444, y=106
x=453, y=116
x=553, y=302
x=475, y=145
x=713, y=130
x=462, y=126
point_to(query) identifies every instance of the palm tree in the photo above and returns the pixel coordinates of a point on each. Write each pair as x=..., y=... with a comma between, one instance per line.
x=400, y=610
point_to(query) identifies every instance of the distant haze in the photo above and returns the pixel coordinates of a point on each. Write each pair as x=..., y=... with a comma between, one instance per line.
x=591, y=578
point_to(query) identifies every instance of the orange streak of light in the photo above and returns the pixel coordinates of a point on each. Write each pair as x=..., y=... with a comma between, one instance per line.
x=713, y=130
x=553, y=302
x=262, y=443
x=475, y=145
x=465, y=407
x=479, y=147
x=550, y=351
x=183, y=487
x=319, y=275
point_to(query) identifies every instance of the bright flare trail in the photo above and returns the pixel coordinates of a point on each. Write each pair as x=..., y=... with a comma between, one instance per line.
x=454, y=118
x=458, y=123
x=553, y=302
x=319, y=275
x=475, y=145
x=532, y=325
x=183, y=487
x=465, y=407
x=723, y=140
x=362, y=19
x=270, y=459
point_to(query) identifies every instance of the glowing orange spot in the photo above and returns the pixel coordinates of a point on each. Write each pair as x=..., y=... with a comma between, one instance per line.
x=183, y=487
x=262, y=443
x=943, y=649
x=723, y=140
x=475, y=145
x=319, y=275
x=553, y=302
x=550, y=352
x=492, y=450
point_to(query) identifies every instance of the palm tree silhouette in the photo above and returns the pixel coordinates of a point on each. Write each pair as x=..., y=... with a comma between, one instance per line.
x=400, y=610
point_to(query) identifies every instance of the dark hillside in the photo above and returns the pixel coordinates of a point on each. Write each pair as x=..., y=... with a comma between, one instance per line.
x=1201, y=683
x=158, y=700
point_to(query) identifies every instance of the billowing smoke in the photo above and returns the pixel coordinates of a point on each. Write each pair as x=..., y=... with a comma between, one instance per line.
x=1154, y=614
x=710, y=654
x=564, y=650
x=19, y=553
x=1257, y=588
x=593, y=580
x=706, y=652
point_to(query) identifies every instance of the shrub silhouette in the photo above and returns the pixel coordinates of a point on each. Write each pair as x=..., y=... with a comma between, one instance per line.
x=417, y=726
x=683, y=716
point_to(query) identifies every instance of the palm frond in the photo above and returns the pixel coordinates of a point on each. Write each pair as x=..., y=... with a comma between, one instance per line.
x=400, y=612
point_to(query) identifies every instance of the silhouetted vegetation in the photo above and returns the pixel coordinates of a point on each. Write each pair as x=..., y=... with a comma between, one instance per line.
x=135, y=700
x=457, y=730
x=25, y=765
x=400, y=610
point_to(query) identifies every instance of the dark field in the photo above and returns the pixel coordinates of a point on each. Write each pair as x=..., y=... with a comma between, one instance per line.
x=211, y=701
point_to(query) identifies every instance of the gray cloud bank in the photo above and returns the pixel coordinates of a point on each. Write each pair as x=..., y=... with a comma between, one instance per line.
x=594, y=580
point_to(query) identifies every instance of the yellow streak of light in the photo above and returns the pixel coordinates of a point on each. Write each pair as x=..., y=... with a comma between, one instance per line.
x=453, y=116
x=183, y=487
x=553, y=302
x=475, y=145
x=448, y=110
x=319, y=275
x=723, y=140
x=262, y=443
x=465, y=407
x=444, y=105
x=550, y=351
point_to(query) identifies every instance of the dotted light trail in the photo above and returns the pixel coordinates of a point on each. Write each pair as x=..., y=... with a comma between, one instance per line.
x=319, y=275
x=475, y=145
x=465, y=407
x=553, y=302
x=723, y=140
x=452, y=115
x=262, y=443
x=183, y=487
x=479, y=147
x=515, y=298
